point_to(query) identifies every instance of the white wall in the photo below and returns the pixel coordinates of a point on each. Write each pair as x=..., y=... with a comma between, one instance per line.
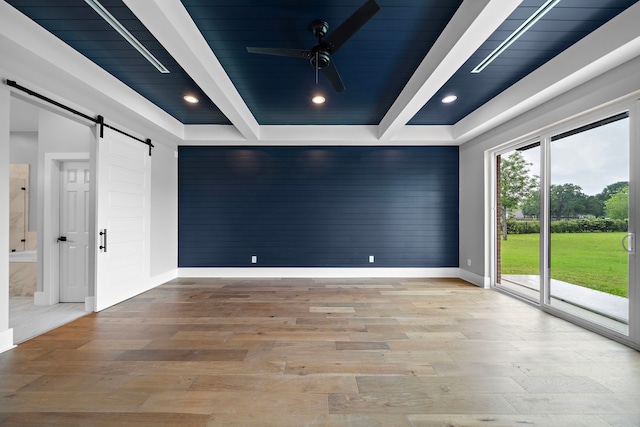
x=6, y=334
x=164, y=214
x=24, y=148
x=621, y=82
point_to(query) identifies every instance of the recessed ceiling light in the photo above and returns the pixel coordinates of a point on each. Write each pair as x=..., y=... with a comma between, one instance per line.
x=318, y=99
x=449, y=99
x=191, y=99
x=528, y=23
x=104, y=13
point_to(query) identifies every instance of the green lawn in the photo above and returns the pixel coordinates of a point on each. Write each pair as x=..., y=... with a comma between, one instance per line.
x=593, y=260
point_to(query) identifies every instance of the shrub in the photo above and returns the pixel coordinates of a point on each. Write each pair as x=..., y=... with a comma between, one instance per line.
x=522, y=227
x=582, y=225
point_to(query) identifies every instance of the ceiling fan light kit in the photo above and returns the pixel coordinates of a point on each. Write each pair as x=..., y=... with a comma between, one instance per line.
x=318, y=99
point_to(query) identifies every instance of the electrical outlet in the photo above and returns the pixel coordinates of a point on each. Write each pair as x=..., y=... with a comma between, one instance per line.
x=468, y=262
x=371, y=258
x=254, y=259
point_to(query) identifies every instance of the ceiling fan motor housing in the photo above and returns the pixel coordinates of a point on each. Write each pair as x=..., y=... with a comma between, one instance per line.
x=320, y=57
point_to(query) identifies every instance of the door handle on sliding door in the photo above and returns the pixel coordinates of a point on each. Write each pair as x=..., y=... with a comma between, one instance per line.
x=631, y=246
x=103, y=240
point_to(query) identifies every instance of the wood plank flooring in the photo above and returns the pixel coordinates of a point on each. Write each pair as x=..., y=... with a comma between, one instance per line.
x=383, y=352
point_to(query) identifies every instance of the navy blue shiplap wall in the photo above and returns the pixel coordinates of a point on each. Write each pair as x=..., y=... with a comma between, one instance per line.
x=318, y=206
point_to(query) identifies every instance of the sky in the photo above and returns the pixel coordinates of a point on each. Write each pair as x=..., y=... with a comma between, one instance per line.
x=592, y=159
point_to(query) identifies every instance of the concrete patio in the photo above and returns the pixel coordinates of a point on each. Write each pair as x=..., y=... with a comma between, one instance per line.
x=611, y=306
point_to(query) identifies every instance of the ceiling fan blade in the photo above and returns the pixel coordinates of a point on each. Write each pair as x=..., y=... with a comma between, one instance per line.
x=331, y=72
x=292, y=53
x=349, y=27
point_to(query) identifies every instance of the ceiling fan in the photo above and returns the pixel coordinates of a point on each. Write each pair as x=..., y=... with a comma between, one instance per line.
x=320, y=54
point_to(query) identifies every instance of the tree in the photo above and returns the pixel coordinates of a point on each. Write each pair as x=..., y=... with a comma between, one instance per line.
x=612, y=189
x=617, y=207
x=531, y=205
x=516, y=185
x=567, y=200
x=594, y=206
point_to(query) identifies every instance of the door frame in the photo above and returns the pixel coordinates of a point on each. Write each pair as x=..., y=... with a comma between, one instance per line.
x=50, y=257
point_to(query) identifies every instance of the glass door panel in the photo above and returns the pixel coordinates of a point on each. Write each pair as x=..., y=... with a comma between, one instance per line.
x=518, y=222
x=17, y=214
x=588, y=220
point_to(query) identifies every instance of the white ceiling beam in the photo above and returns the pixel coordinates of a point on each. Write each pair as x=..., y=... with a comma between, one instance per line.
x=172, y=26
x=471, y=25
x=328, y=135
x=318, y=135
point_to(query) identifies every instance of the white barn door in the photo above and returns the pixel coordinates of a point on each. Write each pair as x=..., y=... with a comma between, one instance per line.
x=122, y=219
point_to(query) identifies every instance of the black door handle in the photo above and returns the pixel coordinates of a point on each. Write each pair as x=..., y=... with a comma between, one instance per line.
x=103, y=236
x=62, y=239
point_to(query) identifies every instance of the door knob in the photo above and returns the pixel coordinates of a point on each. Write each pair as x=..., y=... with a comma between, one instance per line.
x=62, y=239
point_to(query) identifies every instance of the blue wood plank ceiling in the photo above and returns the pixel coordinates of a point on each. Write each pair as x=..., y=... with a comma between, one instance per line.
x=375, y=64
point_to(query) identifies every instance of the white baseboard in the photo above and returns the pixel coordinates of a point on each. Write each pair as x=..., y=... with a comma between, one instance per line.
x=314, y=272
x=6, y=340
x=476, y=279
x=163, y=278
x=90, y=304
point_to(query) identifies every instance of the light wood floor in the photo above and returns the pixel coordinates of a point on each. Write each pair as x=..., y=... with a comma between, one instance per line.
x=320, y=353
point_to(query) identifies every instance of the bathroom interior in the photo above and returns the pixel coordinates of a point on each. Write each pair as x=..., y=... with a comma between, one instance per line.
x=25, y=317
x=22, y=241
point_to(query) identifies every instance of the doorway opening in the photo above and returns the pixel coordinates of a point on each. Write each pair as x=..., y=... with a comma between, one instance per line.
x=36, y=134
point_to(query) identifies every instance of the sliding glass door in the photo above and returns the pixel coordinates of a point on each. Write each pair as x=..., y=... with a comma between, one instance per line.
x=564, y=222
x=588, y=213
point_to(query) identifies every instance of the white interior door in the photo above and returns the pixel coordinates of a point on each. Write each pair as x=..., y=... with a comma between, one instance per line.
x=122, y=218
x=74, y=231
